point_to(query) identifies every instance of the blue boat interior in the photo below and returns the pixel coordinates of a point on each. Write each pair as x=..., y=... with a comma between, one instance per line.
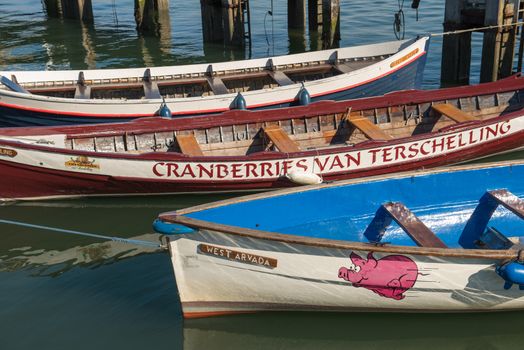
x=479, y=208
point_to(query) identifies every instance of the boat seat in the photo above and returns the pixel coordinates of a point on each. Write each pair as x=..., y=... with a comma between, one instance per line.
x=82, y=91
x=452, y=112
x=476, y=225
x=13, y=84
x=189, y=145
x=415, y=228
x=217, y=85
x=369, y=129
x=151, y=91
x=280, y=139
x=281, y=78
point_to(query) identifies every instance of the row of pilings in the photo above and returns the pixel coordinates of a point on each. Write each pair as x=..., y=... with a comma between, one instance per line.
x=223, y=21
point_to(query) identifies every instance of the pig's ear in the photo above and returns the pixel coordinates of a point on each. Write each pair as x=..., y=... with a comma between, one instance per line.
x=372, y=262
x=356, y=259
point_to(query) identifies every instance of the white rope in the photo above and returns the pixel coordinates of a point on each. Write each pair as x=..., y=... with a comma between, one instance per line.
x=460, y=31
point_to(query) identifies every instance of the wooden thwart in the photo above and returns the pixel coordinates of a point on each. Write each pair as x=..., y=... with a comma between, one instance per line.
x=189, y=145
x=281, y=139
x=415, y=228
x=281, y=78
x=509, y=201
x=217, y=86
x=369, y=129
x=453, y=113
x=151, y=90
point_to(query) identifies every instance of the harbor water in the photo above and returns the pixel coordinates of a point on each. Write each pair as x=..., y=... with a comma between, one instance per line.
x=59, y=291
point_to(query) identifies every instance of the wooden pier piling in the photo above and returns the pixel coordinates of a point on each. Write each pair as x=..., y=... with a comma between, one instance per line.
x=77, y=9
x=498, y=44
x=296, y=14
x=152, y=17
x=498, y=47
x=222, y=21
x=52, y=8
x=324, y=17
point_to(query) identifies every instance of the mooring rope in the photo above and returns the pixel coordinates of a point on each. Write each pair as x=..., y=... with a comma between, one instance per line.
x=460, y=31
x=86, y=234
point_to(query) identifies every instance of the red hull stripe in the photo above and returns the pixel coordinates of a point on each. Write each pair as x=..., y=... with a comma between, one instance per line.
x=217, y=110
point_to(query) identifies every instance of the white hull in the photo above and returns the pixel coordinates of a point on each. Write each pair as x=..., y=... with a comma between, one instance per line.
x=306, y=278
x=206, y=104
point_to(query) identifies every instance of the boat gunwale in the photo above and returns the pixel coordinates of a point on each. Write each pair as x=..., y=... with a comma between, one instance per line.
x=264, y=155
x=179, y=217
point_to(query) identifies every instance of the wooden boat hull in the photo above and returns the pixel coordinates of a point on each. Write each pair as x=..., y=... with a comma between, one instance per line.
x=34, y=171
x=219, y=275
x=292, y=251
x=401, y=71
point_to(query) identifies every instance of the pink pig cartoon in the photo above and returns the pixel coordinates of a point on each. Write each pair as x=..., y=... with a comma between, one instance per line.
x=389, y=277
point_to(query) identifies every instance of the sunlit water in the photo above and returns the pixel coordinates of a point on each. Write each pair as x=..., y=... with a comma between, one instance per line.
x=63, y=292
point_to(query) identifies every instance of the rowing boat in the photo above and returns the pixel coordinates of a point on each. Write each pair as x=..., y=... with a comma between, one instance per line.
x=261, y=150
x=433, y=241
x=110, y=95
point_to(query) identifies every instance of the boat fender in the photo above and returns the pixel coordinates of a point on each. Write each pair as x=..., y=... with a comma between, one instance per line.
x=164, y=110
x=513, y=272
x=303, y=178
x=304, y=98
x=239, y=102
x=169, y=228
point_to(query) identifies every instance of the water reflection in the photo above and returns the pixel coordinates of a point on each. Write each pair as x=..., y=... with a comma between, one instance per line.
x=355, y=331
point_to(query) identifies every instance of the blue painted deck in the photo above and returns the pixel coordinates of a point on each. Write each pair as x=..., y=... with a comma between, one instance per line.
x=443, y=202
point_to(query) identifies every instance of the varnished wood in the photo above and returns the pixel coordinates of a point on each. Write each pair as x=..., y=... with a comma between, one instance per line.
x=369, y=129
x=281, y=139
x=189, y=145
x=452, y=112
x=415, y=228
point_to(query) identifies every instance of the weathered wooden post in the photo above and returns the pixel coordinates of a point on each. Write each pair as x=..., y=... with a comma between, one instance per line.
x=296, y=14
x=152, y=17
x=296, y=23
x=498, y=47
x=330, y=23
x=222, y=21
x=53, y=8
x=77, y=9
x=324, y=16
x=456, y=48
